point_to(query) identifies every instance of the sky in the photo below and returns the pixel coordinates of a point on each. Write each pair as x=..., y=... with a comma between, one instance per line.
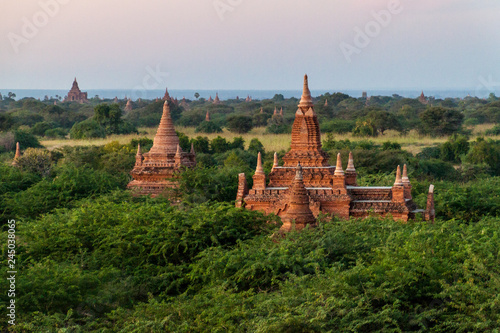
x=250, y=44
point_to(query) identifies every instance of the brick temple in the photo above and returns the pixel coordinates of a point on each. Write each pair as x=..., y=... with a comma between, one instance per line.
x=306, y=185
x=76, y=95
x=157, y=170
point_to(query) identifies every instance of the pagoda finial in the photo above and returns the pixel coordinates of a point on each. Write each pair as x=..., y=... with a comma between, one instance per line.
x=306, y=99
x=18, y=154
x=275, y=111
x=350, y=164
x=178, y=152
x=338, y=168
x=139, y=150
x=298, y=172
x=281, y=111
x=259, y=169
x=405, y=180
x=18, y=151
x=275, y=162
x=192, y=148
x=398, y=181
x=326, y=102
x=207, y=116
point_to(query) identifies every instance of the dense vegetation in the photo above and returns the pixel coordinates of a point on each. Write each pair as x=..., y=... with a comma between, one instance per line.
x=92, y=258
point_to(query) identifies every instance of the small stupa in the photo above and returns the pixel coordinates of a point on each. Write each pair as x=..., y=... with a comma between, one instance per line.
x=158, y=169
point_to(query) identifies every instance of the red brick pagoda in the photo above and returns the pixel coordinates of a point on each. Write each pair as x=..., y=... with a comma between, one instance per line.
x=307, y=185
x=157, y=170
x=76, y=95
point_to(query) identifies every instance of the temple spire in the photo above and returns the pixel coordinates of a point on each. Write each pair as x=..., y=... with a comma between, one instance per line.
x=306, y=99
x=139, y=149
x=261, y=110
x=18, y=151
x=281, y=111
x=166, y=139
x=350, y=164
x=192, y=148
x=398, y=181
x=259, y=169
x=275, y=112
x=338, y=169
x=275, y=162
x=298, y=212
x=405, y=180
x=18, y=154
x=207, y=116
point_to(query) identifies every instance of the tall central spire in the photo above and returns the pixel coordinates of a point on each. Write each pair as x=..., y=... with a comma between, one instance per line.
x=306, y=136
x=166, y=139
x=306, y=99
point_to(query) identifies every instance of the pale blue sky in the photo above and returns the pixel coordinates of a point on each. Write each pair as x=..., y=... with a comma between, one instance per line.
x=249, y=44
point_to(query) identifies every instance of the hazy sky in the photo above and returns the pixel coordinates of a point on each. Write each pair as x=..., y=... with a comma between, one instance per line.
x=249, y=44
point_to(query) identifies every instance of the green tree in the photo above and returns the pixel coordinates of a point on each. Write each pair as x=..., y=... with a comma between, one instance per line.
x=365, y=128
x=219, y=145
x=485, y=151
x=196, y=95
x=384, y=120
x=201, y=144
x=239, y=124
x=208, y=127
x=255, y=146
x=454, y=148
x=439, y=121
x=87, y=129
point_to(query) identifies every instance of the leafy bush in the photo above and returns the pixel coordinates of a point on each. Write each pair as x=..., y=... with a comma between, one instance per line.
x=56, y=133
x=439, y=121
x=493, y=131
x=37, y=161
x=40, y=128
x=391, y=146
x=365, y=128
x=339, y=126
x=70, y=184
x=87, y=129
x=26, y=139
x=454, y=148
x=208, y=127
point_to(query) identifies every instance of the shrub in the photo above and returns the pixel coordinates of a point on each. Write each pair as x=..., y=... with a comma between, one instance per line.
x=56, y=133
x=26, y=139
x=391, y=146
x=87, y=129
x=219, y=145
x=454, y=148
x=208, y=127
x=339, y=126
x=256, y=146
x=365, y=128
x=493, y=131
x=37, y=161
x=40, y=128
x=201, y=145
